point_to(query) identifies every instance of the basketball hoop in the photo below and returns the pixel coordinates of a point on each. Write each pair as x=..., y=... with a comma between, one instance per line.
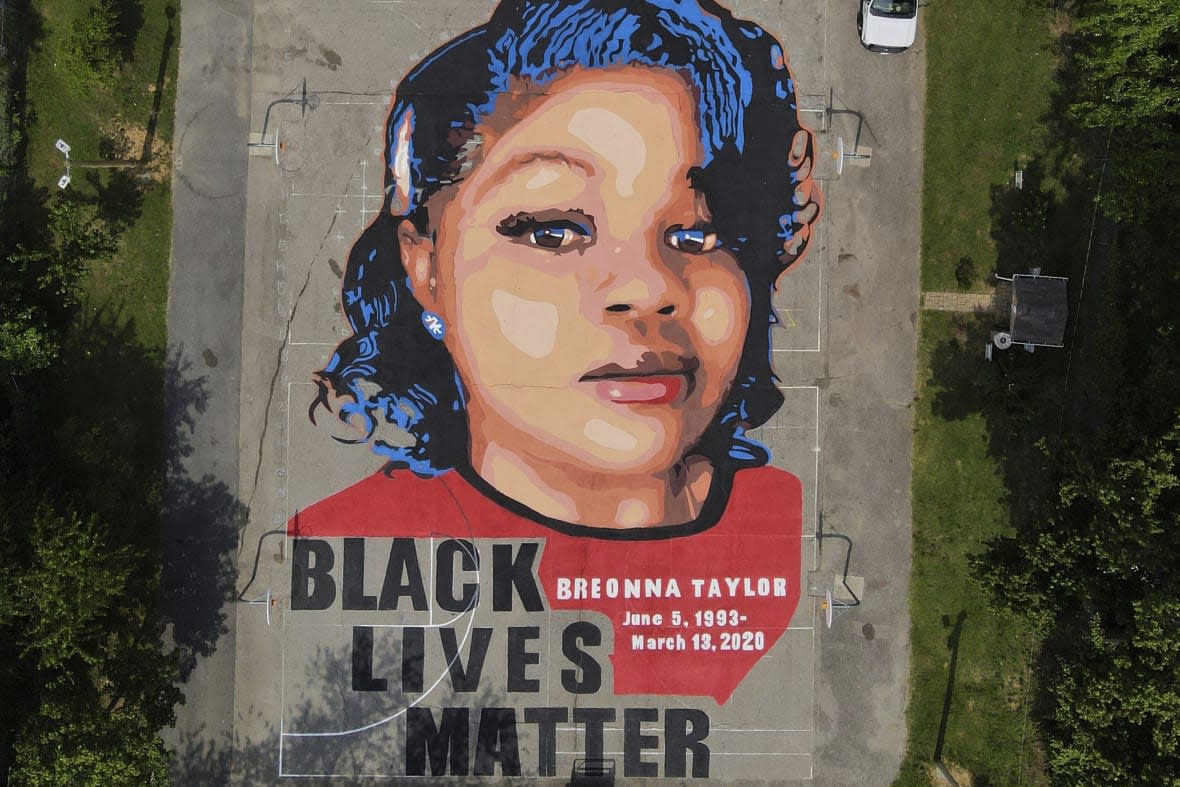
x=267, y=601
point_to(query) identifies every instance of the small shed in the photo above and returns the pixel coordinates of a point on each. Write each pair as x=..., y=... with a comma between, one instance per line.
x=1040, y=309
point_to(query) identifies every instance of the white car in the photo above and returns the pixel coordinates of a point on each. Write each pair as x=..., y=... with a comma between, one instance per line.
x=888, y=25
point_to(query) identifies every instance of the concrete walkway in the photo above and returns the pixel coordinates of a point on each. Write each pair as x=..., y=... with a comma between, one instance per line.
x=997, y=301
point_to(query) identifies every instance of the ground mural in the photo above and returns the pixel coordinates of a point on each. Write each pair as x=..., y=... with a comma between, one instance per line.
x=560, y=343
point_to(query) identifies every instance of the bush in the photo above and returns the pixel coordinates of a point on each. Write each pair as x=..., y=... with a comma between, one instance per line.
x=965, y=273
x=91, y=52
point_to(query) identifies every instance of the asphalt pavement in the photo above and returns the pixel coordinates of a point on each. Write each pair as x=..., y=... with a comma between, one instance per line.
x=257, y=242
x=202, y=513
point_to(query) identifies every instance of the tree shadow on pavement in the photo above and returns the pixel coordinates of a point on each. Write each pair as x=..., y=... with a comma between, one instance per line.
x=200, y=525
x=254, y=757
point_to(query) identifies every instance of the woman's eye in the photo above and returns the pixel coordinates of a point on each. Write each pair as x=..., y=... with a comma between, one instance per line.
x=692, y=240
x=554, y=234
x=553, y=237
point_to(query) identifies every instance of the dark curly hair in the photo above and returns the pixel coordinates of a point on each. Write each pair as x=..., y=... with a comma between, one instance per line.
x=756, y=179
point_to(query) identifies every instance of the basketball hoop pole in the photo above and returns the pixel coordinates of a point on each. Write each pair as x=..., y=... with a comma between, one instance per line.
x=847, y=561
x=305, y=103
x=830, y=604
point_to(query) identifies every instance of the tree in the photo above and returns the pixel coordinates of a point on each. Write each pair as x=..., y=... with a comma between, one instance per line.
x=1116, y=719
x=84, y=635
x=39, y=286
x=67, y=593
x=25, y=343
x=76, y=743
x=1097, y=569
x=1127, y=63
x=80, y=233
x=1113, y=528
x=1128, y=52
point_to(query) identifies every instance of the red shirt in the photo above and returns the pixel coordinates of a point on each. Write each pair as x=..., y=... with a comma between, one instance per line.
x=724, y=587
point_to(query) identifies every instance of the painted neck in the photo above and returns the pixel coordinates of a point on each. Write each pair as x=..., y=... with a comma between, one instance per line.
x=597, y=500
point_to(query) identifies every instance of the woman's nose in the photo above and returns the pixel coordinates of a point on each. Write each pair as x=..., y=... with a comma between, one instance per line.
x=642, y=284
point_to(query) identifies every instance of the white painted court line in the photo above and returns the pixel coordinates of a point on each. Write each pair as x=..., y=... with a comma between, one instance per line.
x=364, y=190
x=711, y=753
x=759, y=753
x=442, y=674
x=819, y=299
x=325, y=195
x=748, y=729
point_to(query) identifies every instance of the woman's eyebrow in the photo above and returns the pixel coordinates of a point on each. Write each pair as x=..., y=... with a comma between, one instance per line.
x=573, y=162
x=575, y=215
x=523, y=159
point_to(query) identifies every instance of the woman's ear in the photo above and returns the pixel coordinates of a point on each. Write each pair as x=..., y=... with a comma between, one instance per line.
x=418, y=258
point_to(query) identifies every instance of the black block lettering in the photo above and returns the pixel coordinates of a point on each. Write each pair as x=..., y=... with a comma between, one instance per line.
x=465, y=678
x=594, y=719
x=519, y=658
x=685, y=730
x=496, y=742
x=635, y=742
x=546, y=720
x=574, y=636
x=354, y=576
x=509, y=573
x=445, y=581
x=413, y=658
x=312, y=587
x=403, y=576
x=423, y=739
x=362, y=661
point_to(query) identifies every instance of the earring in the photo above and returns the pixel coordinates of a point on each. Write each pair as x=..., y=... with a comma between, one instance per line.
x=434, y=325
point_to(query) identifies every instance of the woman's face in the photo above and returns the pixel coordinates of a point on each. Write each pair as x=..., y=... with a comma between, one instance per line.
x=592, y=314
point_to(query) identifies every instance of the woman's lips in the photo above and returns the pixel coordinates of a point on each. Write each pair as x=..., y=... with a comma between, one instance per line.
x=655, y=378
x=644, y=389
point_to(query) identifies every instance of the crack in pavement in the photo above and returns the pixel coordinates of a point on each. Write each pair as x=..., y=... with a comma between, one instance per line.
x=366, y=93
x=279, y=360
x=275, y=377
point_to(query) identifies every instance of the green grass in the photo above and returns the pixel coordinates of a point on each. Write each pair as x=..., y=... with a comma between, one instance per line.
x=134, y=283
x=988, y=74
x=960, y=500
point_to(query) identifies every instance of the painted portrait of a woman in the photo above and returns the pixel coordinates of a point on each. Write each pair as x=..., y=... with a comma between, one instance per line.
x=561, y=317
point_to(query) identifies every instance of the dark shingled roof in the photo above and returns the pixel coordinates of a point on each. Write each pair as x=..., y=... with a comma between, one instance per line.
x=1039, y=310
